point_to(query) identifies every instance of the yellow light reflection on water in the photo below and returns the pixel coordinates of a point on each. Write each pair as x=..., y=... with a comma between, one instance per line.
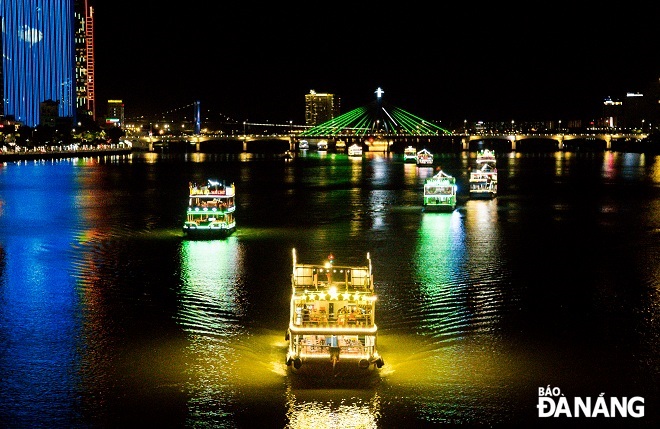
x=332, y=409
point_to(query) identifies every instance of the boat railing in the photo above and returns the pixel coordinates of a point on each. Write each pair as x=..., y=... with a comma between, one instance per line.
x=327, y=322
x=318, y=277
x=346, y=351
x=216, y=203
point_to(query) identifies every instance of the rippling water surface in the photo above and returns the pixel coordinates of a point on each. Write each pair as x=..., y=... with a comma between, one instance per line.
x=110, y=318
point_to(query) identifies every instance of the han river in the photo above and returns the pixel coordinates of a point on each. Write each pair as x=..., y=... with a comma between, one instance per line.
x=505, y=313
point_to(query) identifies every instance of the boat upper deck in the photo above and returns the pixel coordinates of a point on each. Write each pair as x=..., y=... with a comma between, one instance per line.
x=332, y=297
x=344, y=279
x=212, y=189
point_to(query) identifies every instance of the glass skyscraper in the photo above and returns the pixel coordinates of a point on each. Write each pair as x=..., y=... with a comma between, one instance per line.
x=38, y=57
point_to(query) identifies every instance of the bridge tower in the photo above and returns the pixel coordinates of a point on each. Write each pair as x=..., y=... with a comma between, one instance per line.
x=198, y=120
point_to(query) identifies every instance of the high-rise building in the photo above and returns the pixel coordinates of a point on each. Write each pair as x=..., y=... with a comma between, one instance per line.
x=38, y=58
x=115, y=114
x=320, y=108
x=612, y=113
x=84, y=48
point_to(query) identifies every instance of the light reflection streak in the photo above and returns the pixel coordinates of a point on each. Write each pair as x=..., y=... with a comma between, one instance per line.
x=332, y=411
x=210, y=305
x=440, y=257
x=378, y=199
x=40, y=303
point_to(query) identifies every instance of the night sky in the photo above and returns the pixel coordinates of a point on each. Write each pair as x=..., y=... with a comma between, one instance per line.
x=256, y=63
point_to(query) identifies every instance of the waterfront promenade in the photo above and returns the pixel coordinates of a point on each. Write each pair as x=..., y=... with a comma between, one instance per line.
x=8, y=156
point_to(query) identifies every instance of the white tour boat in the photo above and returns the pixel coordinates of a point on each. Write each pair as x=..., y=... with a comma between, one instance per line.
x=485, y=156
x=483, y=178
x=410, y=154
x=424, y=158
x=355, y=150
x=332, y=312
x=210, y=211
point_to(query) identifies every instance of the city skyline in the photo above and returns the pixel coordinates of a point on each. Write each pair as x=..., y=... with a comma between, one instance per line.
x=257, y=64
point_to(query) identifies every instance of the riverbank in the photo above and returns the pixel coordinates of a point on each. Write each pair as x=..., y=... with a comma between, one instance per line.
x=58, y=154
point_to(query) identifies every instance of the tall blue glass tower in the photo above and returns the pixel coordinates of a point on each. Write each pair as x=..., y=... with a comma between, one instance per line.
x=38, y=57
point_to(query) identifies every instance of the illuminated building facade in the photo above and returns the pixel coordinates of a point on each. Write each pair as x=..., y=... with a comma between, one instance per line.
x=38, y=59
x=320, y=108
x=115, y=114
x=84, y=49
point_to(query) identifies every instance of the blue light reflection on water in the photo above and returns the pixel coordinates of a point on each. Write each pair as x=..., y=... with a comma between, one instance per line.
x=40, y=307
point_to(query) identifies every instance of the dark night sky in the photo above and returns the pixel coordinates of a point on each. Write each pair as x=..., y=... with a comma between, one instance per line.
x=257, y=63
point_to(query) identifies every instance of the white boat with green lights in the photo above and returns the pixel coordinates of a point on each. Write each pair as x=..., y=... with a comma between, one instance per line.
x=332, y=322
x=410, y=154
x=486, y=156
x=440, y=193
x=210, y=211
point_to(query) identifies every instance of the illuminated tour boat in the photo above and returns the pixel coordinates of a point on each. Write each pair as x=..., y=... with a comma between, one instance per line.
x=332, y=323
x=410, y=154
x=355, y=150
x=485, y=156
x=440, y=193
x=483, y=178
x=210, y=211
x=424, y=158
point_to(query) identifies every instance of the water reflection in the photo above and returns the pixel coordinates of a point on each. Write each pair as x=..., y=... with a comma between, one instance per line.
x=210, y=307
x=320, y=409
x=440, y=271
x=39, y=303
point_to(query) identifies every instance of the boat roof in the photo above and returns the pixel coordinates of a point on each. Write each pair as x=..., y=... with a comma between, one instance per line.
x=441, y=178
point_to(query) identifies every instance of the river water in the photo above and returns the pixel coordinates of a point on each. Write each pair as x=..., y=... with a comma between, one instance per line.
x=109, y=317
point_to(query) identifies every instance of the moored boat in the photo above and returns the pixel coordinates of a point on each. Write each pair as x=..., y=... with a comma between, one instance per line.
x=332, y=317
x=424, y=158
x=210, y=211
x=410, y=154
x=440, y=192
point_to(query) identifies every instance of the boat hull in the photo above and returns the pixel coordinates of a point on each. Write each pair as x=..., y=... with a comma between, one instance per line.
x=439, y=208
x=482, y=195
x=208, y=233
